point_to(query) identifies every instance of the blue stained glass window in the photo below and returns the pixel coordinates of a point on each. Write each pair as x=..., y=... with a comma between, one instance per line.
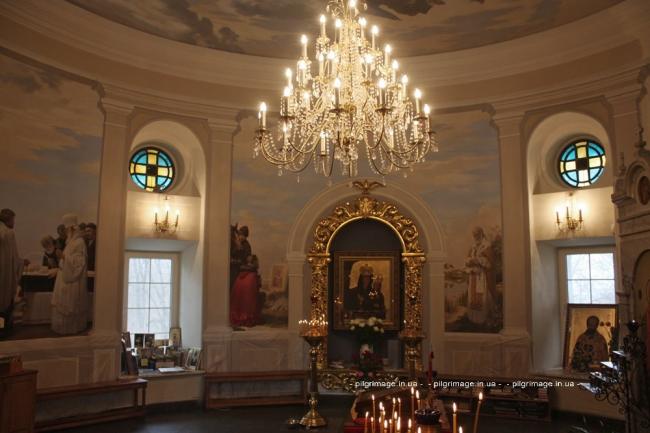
x=582, y=163
x=152, y=169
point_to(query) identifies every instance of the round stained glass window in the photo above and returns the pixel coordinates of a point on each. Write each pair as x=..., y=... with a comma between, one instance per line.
x=152, y=169
x=582, y=163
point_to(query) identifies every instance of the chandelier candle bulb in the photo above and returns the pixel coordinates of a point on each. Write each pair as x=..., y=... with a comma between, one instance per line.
x=387, y=50
x=303, y=41
x=394, y=67
x=418, y=96
x=323, y=22
x=405, y=81
x=337, y=93
x=289, y=74
x=374, y=31
x=381, y=94
x=263, y=114
x=338, y=25
x=362, y=26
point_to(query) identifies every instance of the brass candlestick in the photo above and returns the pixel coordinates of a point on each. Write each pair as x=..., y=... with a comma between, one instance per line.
x=314, y=333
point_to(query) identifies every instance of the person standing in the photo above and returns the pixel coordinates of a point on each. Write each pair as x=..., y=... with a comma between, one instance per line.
x=481, y=278
x=90, y=236
x=11, y=266
x=70, y=297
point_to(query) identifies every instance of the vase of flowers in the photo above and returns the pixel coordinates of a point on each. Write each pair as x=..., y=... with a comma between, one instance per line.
x=367, y=331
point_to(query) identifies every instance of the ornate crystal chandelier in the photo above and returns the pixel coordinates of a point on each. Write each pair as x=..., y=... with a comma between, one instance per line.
x=350, y=99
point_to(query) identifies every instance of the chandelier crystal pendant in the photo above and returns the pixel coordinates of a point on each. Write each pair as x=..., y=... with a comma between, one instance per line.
x=350, y=99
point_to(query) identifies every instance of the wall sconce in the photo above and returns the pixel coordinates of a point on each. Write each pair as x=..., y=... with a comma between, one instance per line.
x=165, y=225
x=569, y=223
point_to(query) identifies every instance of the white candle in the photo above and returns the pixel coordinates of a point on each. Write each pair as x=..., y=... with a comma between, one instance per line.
x=405, y=81
x=289, y=74
x=394, y=67
x=303, y=41
x=263, y=114
x=323, y=21
x=418, y=96
x=381, y=94
x=374, y=30
x=323, y=152
x=337, y=92
x=427, y=112
x=362, y=24
x=454, y=415
x=387, y=50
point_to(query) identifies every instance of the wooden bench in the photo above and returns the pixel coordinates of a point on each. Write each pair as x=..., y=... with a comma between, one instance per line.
x=261, y=376
x=137, y=408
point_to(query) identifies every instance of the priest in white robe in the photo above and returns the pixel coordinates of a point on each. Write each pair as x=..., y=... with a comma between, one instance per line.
x=10, y=266
x=70, y=296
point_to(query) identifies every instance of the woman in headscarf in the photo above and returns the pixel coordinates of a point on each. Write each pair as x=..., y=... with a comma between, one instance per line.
x=70, y=297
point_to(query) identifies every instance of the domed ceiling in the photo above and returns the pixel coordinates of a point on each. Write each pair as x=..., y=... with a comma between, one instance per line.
x=271, y=28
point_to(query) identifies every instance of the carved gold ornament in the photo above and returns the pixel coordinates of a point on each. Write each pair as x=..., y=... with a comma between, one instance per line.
x=413, y=257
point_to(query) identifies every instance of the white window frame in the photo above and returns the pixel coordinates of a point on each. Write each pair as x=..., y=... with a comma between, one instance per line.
x=175, y=289
x=562, y=272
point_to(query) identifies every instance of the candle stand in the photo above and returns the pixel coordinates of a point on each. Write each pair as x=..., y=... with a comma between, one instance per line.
x=314, y=332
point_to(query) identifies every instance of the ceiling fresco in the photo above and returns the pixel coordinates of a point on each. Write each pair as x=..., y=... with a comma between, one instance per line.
x=271, y=28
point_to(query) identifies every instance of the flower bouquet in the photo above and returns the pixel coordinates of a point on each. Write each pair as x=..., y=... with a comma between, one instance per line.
x=367, y=331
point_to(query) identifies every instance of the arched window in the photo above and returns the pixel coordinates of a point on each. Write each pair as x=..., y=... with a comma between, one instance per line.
x=581, y=163
x=152, y=169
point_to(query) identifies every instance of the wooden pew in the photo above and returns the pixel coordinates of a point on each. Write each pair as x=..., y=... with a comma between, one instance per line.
x=136, y=409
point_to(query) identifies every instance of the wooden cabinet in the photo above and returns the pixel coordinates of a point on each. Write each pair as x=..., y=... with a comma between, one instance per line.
x=17, y=402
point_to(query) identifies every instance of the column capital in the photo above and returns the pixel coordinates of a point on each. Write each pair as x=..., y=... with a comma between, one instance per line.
x=508, y=123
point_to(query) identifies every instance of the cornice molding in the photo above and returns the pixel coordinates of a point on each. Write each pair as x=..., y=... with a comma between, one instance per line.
x=76, y=27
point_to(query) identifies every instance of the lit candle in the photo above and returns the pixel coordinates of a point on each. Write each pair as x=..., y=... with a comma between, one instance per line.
x=337, y=92
x=417, y=397
x=409, y=426
x=284, y=109
x=454, y=419
x=381, y=94
x=323, y=152
x=418, y=96
x=302, y=72
x=365, y=424
x=478, y=409
x=385, y=430
x=460, y=430
x=394, y=67
x=303, y=41
x=374, y=31
x=399, y=406
x=387, y=50
x=372, y=424
x=289, y=74
x=353, y=5
x=263, y=115
x=323, y=30
x=390, y=426
x=427, y=112
x=338, y=24
x=362, y=25
x=398, y=426
x=405, y=81
x=412, y=402
x=419, y=429
x=373, y=396
x=369, y=61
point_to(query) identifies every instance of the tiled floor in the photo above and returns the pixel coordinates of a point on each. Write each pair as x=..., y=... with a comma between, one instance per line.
x=334, y=409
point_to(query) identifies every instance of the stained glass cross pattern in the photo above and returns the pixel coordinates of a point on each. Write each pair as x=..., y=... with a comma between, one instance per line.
x=581, y=163
x=152, y=169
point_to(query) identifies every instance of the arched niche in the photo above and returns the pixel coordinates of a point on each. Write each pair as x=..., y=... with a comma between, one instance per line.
x=184, y=139
x=412, y=255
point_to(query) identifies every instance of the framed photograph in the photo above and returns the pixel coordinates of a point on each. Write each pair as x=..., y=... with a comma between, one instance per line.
x=279, y=274
x=149, y=340
x=138, y=340
x=126, y=339
x=175, y=337
x=193, y=359
x=589, y=332
x=366, y=284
